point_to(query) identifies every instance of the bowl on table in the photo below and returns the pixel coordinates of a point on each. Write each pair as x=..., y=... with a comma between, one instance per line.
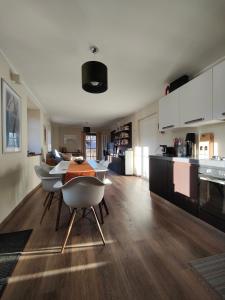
x=79, y=160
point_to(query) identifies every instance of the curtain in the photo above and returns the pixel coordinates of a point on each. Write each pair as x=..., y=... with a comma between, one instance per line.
x=83, y=137
x=105, y=139
x=98, y=146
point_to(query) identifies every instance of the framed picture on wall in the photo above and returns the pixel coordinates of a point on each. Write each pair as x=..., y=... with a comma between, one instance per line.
x=11, y=119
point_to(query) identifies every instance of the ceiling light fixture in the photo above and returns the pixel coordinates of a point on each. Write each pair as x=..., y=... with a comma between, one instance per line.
x=94, y=75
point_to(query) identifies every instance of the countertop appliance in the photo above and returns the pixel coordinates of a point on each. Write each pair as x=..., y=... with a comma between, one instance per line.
x=170, y=151
x=206, y=145
x=190, y=144
x=212, y=195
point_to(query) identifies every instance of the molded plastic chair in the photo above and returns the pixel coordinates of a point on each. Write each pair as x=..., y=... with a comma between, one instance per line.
x=48, y=184
x=46, y=167
x=105, y=163
x=82, y=192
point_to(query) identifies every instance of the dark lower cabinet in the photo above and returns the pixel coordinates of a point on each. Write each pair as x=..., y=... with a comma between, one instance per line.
x=118, y=165
x=175, y=181
x=187, y=203
x=212, y=219
x=158, y=183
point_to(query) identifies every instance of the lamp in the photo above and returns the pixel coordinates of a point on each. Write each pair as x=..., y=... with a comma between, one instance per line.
x=94, y=76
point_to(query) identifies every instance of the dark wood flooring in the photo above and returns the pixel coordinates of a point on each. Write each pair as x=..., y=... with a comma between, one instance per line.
x=149, y=245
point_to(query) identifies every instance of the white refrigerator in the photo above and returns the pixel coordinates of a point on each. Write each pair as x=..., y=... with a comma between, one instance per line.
x=129, y=162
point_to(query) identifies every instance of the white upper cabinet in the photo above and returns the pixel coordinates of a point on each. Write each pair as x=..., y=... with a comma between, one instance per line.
x=196, y=100
x=169, y=115
x=219, y=91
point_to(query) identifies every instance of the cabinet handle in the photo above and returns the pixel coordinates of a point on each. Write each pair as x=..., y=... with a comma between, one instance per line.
x=195, y=120
x=169, y=126
x=223, y=114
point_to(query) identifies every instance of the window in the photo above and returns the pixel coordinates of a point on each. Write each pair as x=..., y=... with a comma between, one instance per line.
x=90, y=145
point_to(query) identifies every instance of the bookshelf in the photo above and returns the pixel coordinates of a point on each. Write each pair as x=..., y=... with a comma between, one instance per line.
x=122, y=137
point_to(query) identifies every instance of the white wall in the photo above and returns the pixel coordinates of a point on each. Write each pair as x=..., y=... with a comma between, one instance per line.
x=17, y=177
x=58, y=132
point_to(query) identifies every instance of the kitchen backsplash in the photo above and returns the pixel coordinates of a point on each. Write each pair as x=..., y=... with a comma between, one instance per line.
x=217, y=129
x=219, y=137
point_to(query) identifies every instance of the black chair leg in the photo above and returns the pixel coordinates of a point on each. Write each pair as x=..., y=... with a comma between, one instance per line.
x=50, y=202
x=59, y=211
x=47, y=206
x=84, y=211
x=46, y=199
x=101, y=214
x=105, y=206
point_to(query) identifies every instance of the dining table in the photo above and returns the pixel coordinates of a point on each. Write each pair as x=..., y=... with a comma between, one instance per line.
x=71, y=169
x=62, y=167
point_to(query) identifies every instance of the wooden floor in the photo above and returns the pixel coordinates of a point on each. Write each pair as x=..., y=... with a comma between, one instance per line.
x=149, y=245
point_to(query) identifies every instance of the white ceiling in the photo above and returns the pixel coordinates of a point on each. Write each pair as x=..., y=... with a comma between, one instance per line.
x=144, y=43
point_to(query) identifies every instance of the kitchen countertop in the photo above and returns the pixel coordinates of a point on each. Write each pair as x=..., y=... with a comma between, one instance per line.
x=192, y=160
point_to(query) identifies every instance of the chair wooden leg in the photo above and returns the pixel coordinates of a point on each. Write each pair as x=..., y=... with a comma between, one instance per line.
x=105, y=206
x=101, y=213
x=59, y=211
x=47, y=206
x=99, y=227
x=46, y=199
x=69, y=229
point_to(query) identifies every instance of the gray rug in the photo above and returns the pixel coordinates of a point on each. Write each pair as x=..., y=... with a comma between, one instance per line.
x=212, y=269
x=11, y=246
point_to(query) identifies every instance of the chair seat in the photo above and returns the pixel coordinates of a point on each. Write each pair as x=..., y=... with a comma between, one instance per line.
x=107, y=181
x=58, y=185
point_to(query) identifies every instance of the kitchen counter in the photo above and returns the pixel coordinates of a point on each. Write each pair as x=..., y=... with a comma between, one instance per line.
x=192, y=160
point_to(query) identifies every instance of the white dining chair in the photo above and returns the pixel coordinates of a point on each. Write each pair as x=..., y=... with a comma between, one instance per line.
x=48, y=185
x=46, y=167
x=81, y=193
x=104, y=163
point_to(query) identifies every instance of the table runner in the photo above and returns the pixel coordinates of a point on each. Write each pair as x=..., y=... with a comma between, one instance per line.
x=76, y=169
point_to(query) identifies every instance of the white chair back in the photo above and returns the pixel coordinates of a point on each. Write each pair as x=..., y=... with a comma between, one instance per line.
x=83, y=192
x=106, y=163
x=47, y=181
x=46, y=167
x=41, y=172
x=101, y=175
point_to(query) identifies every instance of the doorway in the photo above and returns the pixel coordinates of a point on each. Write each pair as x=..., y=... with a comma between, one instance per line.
x=90, y=146
x=148, y=141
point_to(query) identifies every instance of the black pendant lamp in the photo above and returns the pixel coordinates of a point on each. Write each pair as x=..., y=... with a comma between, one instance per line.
x=94, y=76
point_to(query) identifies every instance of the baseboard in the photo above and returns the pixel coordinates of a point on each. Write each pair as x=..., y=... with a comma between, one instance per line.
x=14, y=211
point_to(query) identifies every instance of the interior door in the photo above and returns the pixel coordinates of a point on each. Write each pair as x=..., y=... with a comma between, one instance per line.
x=90, y=146
x=148, y=140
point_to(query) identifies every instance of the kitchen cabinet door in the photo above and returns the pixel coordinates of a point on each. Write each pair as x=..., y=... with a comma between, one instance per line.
x=158, y=184
x=196, y=100
x=169, y=113
x=219, y=91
